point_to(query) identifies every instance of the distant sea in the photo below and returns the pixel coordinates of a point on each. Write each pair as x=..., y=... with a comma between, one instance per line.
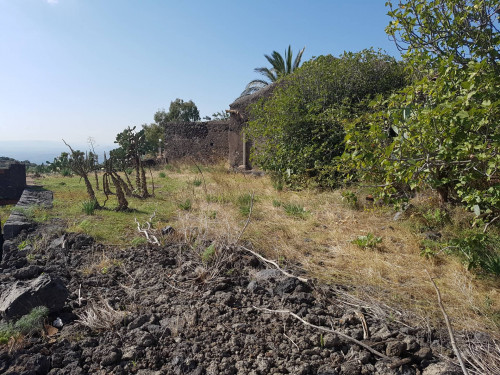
x=42, y=151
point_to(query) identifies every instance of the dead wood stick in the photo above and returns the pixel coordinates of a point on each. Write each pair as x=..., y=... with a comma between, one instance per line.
x=274, y=264
x=491, y=221
x=349, y=338
x=448, y=325
x=248, y=219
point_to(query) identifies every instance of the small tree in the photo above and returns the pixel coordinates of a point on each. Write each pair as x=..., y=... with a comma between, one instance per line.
x=179, y=110
x=82, y=165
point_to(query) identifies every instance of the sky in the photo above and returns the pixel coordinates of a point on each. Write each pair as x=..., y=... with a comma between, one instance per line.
x=74, y=69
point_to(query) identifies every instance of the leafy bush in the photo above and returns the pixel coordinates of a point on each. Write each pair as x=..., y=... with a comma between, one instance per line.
x=298, y=131
x=479, y=251
x=442, y=130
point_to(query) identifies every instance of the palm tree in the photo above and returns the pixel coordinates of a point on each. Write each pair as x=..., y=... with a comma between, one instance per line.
x=280, y=67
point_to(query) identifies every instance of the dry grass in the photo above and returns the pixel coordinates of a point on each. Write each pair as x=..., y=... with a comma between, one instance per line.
x=320, y=240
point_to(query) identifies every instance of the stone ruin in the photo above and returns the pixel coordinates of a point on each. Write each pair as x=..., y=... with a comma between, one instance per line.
x=12, y=183
x=212, y=141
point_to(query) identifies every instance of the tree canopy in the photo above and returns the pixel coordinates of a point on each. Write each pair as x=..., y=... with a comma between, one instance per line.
x=179, y=110
x=446, y=121
x=299, y=131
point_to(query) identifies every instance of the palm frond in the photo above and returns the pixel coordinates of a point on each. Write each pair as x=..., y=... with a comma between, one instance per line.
x=270, y=74
x=288, y=58
x=296, y=63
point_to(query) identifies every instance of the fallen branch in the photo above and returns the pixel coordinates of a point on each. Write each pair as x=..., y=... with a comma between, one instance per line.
x=324, y=329
x=448, y=325
x=491, y=221
x=146, y=231
x=274, y=264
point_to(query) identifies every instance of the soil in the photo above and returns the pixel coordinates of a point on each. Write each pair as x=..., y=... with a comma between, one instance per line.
x=178, y=309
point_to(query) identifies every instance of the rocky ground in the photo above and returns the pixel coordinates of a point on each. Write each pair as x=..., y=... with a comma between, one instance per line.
x=179, y=309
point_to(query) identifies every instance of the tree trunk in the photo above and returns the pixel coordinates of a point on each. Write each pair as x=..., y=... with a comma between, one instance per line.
x=90, y=190
x=144, y=183
x=122, y=201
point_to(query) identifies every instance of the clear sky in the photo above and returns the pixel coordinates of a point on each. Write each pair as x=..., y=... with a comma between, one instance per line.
x=78, y=68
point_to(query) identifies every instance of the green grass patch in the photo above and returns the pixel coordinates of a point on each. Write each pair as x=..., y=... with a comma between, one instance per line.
x=295, y=210
x=27, y=325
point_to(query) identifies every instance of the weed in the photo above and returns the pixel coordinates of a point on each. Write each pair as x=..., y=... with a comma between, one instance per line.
x=321, y=341
x=27, y=325
x=197, y=182
x=138, y=241
x=186, y=205
x=278, y=184
x=217, y=198
x=478, y=251
x=244, y=203
x=276, y=203
x=23, y=244
x=163, y=174
x=89, y=206
x=62, y=183
x=212, y=215
x=208, y=254
x=85, y=225
x=295, y=210
x=350, y=198
x=368, y=241
x=435, y=218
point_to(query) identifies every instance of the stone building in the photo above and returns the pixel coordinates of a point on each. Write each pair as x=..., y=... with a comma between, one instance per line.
x=213, y=141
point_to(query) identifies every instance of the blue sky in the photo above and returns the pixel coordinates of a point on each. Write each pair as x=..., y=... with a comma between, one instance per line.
x=78, y=68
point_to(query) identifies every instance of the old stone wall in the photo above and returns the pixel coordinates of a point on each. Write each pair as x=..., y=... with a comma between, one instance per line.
x=12, y=183
x=202, y=141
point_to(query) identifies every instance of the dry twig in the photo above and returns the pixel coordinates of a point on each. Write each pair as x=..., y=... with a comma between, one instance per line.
x=367, y=347
x=248, y=219
x=274, y=264
x=448, y=325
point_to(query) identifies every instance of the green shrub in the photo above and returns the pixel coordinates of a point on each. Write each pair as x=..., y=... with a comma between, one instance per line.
x=298, y=131
x=163, y=174
x=479, y=252
x=27, y=325
x=368, y=241
x=276, y=203
x=197, y=182
x=89, y=207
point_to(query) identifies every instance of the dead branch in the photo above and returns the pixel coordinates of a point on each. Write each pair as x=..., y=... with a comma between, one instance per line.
x=147, y=231
x=248, y=219
x=490, y=222
x=448, y=325
x=274, y=264
x=324, y=329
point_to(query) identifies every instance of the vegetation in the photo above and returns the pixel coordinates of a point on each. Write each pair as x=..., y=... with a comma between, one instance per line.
x=179, y=110
x=321, y=239
x=280, y=67
x=442, y=130
x=27, y=325
x=299, y=132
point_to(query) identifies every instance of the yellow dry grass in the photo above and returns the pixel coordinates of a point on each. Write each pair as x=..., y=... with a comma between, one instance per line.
x=319, y=239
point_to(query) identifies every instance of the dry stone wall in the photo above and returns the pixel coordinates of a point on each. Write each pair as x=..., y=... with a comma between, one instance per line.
x=201, y=141
x=12, y=183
